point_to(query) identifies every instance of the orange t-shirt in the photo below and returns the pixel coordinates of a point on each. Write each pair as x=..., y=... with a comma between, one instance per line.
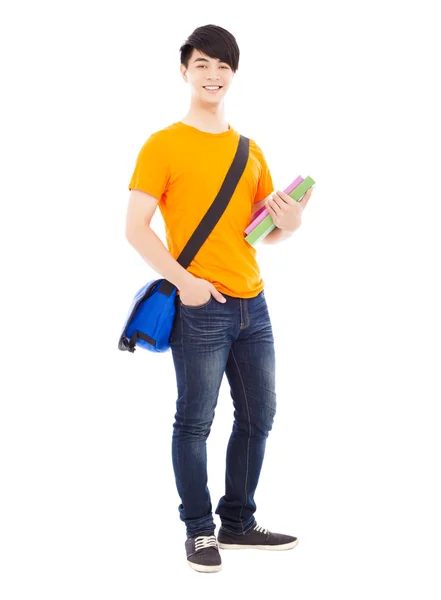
x=184, y=168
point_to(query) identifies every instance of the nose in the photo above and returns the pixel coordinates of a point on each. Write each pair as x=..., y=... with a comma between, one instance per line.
x=212, y=75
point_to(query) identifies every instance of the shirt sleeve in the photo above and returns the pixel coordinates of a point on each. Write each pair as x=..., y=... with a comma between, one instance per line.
x=151, y=174
x=265, y=185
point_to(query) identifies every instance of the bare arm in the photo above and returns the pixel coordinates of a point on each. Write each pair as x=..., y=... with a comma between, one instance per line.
x=140, y=211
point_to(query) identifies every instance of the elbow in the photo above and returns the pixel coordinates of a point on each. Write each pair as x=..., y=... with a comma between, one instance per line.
x=134, y=232
x=130, y=235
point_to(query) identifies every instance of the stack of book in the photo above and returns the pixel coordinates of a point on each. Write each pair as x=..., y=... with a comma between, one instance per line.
x=262, y=223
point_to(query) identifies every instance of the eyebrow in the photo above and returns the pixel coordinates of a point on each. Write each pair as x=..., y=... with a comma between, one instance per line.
x=206, y=60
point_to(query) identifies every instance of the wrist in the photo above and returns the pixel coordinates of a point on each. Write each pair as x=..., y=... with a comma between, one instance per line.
x=185, y=280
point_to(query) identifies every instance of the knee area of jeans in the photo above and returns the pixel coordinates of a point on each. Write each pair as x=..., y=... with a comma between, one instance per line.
x=191, y=430
x=263, y=417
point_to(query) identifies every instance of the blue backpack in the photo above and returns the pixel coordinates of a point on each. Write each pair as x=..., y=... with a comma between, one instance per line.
x=150, y=318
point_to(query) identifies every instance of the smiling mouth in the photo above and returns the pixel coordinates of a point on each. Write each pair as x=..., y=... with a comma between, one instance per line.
x=212, y=88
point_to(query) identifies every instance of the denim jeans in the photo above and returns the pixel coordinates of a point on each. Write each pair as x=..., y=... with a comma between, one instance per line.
x=207, y=341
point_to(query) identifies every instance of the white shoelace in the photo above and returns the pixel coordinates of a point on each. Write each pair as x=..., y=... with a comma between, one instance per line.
x=260, y=529
x=205, y=541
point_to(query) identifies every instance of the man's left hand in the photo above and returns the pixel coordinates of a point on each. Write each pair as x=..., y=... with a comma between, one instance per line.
x=286, y=212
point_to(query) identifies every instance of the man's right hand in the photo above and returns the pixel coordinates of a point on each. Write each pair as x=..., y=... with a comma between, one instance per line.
x=198, y=292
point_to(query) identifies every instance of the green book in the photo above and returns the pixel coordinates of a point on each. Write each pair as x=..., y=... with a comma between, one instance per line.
x=261, y=230
x=302, y=188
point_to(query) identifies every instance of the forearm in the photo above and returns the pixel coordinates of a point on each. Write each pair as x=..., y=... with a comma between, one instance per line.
x=277, y=235
x=152, y=250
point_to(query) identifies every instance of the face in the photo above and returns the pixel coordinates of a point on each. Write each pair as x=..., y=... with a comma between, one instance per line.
x=204, y=72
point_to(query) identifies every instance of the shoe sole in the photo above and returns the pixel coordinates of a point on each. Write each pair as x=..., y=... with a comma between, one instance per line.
x=205, y=568
x=287, y=546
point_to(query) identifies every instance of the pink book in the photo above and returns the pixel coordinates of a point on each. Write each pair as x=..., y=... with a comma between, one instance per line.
x=263, y=212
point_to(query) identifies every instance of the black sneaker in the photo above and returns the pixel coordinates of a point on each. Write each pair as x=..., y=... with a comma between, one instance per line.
x=203, y=554
x=256, y=537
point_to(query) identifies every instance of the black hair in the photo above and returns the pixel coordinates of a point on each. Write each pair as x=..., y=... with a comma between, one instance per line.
x=215, y=42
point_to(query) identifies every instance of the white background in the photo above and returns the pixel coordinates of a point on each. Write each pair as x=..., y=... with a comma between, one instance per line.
x=343, y=91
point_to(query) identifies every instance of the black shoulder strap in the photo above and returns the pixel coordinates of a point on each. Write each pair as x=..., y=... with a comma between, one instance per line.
x=218, y=206
x=215, y=211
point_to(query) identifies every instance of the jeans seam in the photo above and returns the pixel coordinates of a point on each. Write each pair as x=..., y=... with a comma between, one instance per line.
x=185, y=364
x=249, y=440
x=185, y=376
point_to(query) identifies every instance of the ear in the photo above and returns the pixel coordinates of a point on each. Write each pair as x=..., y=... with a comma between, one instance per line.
x=183, y=72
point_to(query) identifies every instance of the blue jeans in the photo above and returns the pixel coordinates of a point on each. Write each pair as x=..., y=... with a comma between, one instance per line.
x=207, y=341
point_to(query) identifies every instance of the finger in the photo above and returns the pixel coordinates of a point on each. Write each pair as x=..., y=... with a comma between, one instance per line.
x=271, y=208
x=306, y=197
x=273, y=214
x=218, y=296
x=275, y=204
x=285, y=198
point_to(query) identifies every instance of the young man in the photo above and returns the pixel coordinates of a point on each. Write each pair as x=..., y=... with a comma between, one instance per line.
x=222, y=323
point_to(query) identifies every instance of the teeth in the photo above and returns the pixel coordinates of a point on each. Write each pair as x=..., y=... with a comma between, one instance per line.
x=211, y=87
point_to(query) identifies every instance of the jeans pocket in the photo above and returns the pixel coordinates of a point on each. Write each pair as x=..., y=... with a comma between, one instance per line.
x=196, y=307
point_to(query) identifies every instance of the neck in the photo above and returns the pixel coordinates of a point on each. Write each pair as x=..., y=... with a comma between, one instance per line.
x=207, y=117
